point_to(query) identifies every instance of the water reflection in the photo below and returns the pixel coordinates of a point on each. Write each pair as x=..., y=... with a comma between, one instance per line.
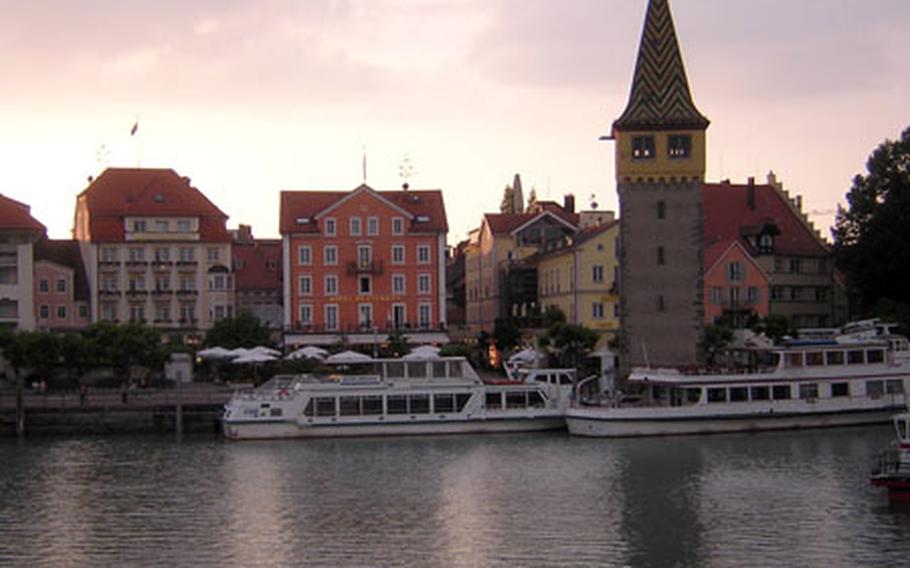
x=772, y=499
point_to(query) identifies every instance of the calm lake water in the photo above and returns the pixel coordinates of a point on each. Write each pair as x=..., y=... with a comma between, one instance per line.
x=774, y=499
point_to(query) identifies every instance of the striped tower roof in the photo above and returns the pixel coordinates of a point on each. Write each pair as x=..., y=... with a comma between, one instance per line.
x=660, y=97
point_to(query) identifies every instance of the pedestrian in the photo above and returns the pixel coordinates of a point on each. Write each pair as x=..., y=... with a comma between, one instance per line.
x=83, y=392
x=123, y=393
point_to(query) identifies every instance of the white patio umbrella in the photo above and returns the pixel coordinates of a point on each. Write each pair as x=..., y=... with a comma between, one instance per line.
x=418, y=355
x=215, y=353
x=308, y=352
x=252, y=357
x=266, y=351
x=426, y=349
x=348, y=357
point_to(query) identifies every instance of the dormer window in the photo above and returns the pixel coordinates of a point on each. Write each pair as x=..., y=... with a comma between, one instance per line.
x=642, y=147
x=679, y=146
x=766, y=244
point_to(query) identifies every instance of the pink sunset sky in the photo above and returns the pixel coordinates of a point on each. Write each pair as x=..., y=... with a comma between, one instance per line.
x=248, y=98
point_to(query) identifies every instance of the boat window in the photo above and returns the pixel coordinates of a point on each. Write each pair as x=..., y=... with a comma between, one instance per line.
x=717, y=395
x=565, y=379
x=875, y=389
x=349, y=406
x=855, y=357
x=794, y=360
x=834, y=357
x=444, y=403
x=761, y=393
x=394, y=369
x=516, y=399
x=494, y=401
x=439, y=369
x=420, y=404
x=397, y=404
x=535, y=400
x=894, y=386
x=455, y=369
x=325, y=406
x=808, y=390
x=840, y=389
x=781, y=392
x=693, y=396
x=372, y=404
x=276, y=412
x=739, y=394
x=309, y=409
x=875, y=355
x=815, y=359
x=461, y=400
x=417, y=369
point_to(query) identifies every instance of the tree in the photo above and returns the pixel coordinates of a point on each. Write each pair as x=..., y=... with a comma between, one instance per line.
x=243, y=330
x=569, y=342
x=871, y=234
x=125, y=346
x=775, y=327
x=507, y=205
x=506, y=334
x=396, y=344
x=717, y=337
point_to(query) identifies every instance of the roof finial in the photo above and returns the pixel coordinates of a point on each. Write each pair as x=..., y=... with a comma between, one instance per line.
x=364, y=164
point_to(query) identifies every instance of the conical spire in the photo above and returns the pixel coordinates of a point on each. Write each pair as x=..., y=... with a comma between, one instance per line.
x=660, y=97
x=518, y=198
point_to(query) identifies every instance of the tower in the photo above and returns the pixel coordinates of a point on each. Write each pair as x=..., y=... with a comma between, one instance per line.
x=660, y=166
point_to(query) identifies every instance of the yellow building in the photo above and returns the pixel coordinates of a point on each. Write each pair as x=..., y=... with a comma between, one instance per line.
x=580, y=278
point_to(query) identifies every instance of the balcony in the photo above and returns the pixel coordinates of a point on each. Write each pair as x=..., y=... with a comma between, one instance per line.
x=162, y=264
x=162, y=292
x=187, y=292
x=137, y=292
x=364, y=267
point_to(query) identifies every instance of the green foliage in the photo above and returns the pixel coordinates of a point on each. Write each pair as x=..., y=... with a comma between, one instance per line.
x=717, y=337
x=126, y=345
x=871, y=236
x=456, y=350
x=553, y=315
x=396, y=344
x=507, y=205
x=569, y=342
x=244, y=330
x=506, y=334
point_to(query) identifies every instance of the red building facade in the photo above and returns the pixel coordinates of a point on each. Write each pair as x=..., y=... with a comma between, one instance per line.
x=363, y=263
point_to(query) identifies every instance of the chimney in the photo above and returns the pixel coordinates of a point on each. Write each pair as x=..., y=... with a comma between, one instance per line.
x=568, y=201
x=799, y=202
x=405, y=186
x=750, y=194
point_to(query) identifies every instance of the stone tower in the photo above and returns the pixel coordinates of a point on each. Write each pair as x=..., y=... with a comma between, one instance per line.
x=660, y=168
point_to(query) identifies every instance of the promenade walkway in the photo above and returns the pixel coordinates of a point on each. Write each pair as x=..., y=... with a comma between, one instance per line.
x=189, y=395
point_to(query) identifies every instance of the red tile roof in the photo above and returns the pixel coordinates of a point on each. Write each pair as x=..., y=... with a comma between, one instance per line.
x=17, y=216
x=123, y=192
x=65, y=253
x=503, y=223
x=308, y=204
x=259, y=267
x=728, y=216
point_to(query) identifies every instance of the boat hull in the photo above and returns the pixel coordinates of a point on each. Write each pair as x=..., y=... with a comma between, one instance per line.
x=640, y=422
x=898, y=486
x=258, y=430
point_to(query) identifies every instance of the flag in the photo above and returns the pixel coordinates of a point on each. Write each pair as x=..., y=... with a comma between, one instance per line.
x=134, y=128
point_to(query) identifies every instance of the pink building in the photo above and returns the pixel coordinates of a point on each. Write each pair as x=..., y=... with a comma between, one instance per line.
x=61, y=289
x=735, y=284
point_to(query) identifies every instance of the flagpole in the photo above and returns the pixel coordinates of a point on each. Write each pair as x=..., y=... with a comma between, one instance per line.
x=136, y=142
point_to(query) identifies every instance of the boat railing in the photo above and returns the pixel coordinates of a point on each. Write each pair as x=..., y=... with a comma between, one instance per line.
x=890, y=462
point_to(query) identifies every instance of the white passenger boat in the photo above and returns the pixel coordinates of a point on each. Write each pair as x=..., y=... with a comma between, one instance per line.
x=819, y=383
x=398, y=397
x=893, y=468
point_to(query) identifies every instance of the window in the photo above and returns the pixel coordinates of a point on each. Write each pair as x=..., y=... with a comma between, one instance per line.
x=187, y=283
x=365, y=284
x=597, y=310
x=781, y=392
x=660, y=255
x=306, y=313
x=162, y=254
x=717, y=294
x=187, y=312
x=373, y=226
x=661, y=305
x=186, y=254
x=330, y=255
x=397, y=226
x=109, y=312
x=794, y=265
x=397, y=254
x=739, y=394
x=108, y=254
x=331, y=317
x=330, y=228
x=137, y=312
x=766, y=244
x=398, y=284
x=162, y=226
x=139, y=226
x=136, y=254
x=597, y=273
x=162, y=283
x=735, y=272
x=834, y=357
x=679, y=146
x=136, y=283
x=61, y=286
x=162, y=311
x=44, y=312
x=423, y=254
x=83, y=312
x=840, y=389
x=642, y=147
x=365, y=315
x=212, y=254
x=717, y=395
x=355, y=226
x=184, y=226
x=304, y=255
x=218, y=281
x=44, y=286
x=364, y=256
x=761, y=393
x=661, y=209
x=752, y=296
x=734, y=296
x=109, y=283
x=808, y=391
x=399, y=315
x=423, y=283
x=306, y=285
x=423, y=315
x=331, y=285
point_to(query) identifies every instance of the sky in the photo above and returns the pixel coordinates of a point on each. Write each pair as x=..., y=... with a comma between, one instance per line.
x=251, y=97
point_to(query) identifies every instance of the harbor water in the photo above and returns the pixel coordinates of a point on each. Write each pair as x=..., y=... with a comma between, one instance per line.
x=772, y=499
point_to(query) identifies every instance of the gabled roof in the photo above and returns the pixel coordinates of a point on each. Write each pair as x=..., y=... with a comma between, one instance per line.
x=139, y=192
x=543, y=214
x=415, y=205
x=16, y=216
x=255, y=272
x=660, y=98
x=503, y=223
x=729, y=216
x=580, y=238
x=65, y=253
x=716, y=252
